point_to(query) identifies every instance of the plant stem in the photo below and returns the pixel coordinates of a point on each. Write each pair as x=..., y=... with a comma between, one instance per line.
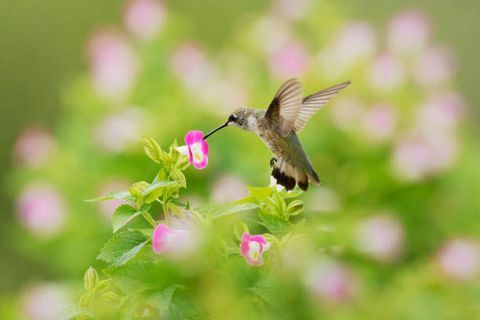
x=149, y=218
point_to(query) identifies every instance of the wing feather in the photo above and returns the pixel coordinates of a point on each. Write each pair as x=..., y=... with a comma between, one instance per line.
x=285, y=107
x=315, y=102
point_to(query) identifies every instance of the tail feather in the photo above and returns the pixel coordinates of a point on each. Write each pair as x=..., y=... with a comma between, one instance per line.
x=288, y=175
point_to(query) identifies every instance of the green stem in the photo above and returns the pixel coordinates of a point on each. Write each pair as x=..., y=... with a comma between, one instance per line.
x=165, y=209
x=149, y=219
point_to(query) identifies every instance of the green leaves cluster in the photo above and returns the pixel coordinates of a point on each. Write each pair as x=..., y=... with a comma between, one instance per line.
x=126, y=266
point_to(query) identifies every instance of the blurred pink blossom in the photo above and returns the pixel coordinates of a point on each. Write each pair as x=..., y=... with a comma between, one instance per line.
x=144, y=18
x=440, y=113
x=41, y=209
x=387, y=73
x=347, y=112
x=108, y=207
x=356, y=41
x=459, y=259
x=412, y=159
x=379, y=122
x=289, y=60
x=408, y=32
x=175, y=242
x=44, y=302
x=270, y=33
x=416, y=157
x=293, y=10
x=330, y=282
x=380, y=237
x=34, y=146
x=228, y=188
x=113, y=64
x=435, y=67
x=119, y=129
x=190, y=64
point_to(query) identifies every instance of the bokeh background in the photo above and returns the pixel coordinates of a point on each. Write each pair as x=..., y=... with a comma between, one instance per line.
x=81, y=82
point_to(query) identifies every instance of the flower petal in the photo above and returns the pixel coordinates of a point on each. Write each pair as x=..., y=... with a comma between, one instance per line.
x=183, y=150
x=193, y=136
x=160, y=238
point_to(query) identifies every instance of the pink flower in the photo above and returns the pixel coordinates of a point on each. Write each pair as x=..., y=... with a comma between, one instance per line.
x=189, y=63
x=412, y=159
x=409, y=32
x=41, y=209
x=144, y=18
x=436, y=67
x=196, y=148
x=379, y=122
x=381, y=238
x=34, y=146
x=252, y=248
x=113, y=64
x=387, y=73
x=459, y=259
x=440, y=113
x=293, y=10
x=355, y=42
x=44, y=302
x=174, y=242
x=330, y=281
x=119, y=130
x=228, y=188
x=289, y=60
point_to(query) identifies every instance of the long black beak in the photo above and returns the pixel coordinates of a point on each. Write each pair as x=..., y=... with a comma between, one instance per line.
x=215, y=130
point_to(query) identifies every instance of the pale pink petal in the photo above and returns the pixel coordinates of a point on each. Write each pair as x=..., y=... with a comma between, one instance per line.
x=193, y=136
x=160, y=241
x=144, y=18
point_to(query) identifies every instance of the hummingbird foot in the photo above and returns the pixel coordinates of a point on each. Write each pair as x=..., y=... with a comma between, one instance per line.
x=273, y=162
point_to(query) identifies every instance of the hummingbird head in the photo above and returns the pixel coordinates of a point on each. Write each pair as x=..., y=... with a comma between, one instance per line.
x=243, y=118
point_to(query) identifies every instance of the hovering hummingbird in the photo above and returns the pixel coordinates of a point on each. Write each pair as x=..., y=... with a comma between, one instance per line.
x=278, y=126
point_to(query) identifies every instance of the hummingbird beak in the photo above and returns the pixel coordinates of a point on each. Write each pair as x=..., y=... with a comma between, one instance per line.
x=216, y=129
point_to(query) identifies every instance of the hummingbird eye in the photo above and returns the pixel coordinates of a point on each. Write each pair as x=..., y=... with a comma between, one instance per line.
x=232, y=118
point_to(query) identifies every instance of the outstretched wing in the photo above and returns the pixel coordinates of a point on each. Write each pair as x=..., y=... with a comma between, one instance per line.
x=285, y=107
x=315, y=102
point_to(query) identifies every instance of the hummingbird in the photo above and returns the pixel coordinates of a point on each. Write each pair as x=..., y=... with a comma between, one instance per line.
x=278, y=127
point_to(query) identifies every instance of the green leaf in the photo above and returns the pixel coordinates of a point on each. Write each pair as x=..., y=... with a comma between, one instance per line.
x=118, y=195
x=240, y=228
x=122, y=247
x=179, y=177
x=90, y=279
x=295, y=207
x=217, y=211
x=153, y=150
x=155, y=190
x=260, y=192
x=123, y=215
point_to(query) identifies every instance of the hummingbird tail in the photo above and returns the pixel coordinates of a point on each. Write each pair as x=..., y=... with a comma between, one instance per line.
x=288, y=175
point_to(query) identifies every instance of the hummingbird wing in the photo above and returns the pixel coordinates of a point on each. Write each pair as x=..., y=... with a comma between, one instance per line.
x=284, y=109
x=315, y=102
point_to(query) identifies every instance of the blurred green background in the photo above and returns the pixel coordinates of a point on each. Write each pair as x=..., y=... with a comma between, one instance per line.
x=43, y=50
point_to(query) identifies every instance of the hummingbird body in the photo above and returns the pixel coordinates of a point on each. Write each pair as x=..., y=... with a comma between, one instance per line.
x=278, y=126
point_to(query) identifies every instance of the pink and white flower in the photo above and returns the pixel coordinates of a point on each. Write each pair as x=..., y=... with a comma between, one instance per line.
x=196, y=149
x=409, y=32
x=174, y=242
x=113, y=64
x=459, y=259
x=379, y=122
x=144, y=18
x=41, y=209
x=330, y=281
x=252, y=248
x=289, y=60
x=381, y=237
x=34, y=146
x=44, y=302
x=435, y=67
x=387, y=73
